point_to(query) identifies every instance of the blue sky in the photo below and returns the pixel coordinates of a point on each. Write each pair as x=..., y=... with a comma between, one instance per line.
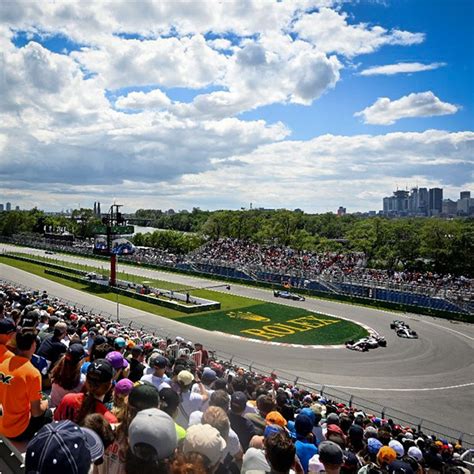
x=217, y=106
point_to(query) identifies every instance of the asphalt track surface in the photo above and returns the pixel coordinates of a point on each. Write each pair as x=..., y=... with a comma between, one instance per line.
x=431, y=377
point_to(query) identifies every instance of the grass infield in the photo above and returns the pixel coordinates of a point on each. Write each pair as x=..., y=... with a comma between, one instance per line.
x=238, y=315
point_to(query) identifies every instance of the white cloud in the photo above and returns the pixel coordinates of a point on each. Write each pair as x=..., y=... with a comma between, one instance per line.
x=330, y=31
x=400, y=68
x=62, y=141
x=156, y=99
x=423, y=104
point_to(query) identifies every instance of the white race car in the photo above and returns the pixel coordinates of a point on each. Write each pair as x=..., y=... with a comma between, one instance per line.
x=407, y=333
x=398, y=324
x=367, y=343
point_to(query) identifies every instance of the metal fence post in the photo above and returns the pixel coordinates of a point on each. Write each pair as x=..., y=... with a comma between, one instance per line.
x=419, y=425
x=350, y=401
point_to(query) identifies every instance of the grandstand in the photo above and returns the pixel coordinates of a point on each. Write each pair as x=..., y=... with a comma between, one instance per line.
x=329, y=274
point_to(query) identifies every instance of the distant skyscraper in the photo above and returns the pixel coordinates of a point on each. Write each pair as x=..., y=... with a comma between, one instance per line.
x=95, y=208
x=17, y=208
x=423, y=200
x=435, y=201
x=98, y=209
x=465, y=195
x=2, y=208
x=9, y=206
x=341, y=211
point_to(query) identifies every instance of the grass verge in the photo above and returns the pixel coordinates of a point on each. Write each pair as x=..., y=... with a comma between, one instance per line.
x=238, y=315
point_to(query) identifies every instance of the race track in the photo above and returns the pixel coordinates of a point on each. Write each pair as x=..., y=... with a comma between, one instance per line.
x=432, y=377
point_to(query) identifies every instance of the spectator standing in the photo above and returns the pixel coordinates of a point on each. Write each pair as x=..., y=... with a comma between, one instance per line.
x=136, y=363
x=141, y=397
x=152, y=441
x=305, y=447
x=189, y=401
x=52, y=348
x=23, y=407
x=158, y=377
x=66, y=376
x=76, y=406
x=244, y=428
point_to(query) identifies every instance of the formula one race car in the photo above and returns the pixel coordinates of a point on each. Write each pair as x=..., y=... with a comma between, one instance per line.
x=366, y=343
x=288, y=296
x=407, y=333
x=397, y=324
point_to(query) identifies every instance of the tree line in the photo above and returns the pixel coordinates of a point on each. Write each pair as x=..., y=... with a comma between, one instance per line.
x=441, y=245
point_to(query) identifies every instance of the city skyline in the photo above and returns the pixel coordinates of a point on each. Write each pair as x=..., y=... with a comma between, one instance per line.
x=310, y=104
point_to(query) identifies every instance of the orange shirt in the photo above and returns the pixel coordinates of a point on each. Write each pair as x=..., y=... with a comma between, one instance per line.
x=5, y=353
x=20, y=384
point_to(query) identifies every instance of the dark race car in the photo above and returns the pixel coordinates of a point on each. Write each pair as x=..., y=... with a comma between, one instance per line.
x=288, y=296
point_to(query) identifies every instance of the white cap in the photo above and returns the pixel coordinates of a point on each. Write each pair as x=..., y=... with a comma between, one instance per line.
x=205, y=440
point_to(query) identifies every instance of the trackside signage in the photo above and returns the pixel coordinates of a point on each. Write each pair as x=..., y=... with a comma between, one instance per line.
x=292, y=326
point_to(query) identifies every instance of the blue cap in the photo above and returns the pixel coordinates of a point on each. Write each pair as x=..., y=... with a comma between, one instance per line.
x=7, y=326
x=62, y=446
x=373, y=445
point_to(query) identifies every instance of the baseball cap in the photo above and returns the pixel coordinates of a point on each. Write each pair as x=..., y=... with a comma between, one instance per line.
x=275, y=418
x=373, y=445
x=397, y=447
x=400, y=467
x=100, y=370
x=415, y=453
x=123, y=387
x=144, y=395
x=332, y=419
x=208, y=375
x=303, y=425
x=169, y=400
x=62, y=446
x=238, y=401
x=272, y=429
x=117, y=360
x=330, y=453
x=356, y=432
x=185, y=377
x=159, y=361
x=155, y=428
x=119, y=342
x=205, y=440
x=7, y=326
x=386, y=455
x=75, y=352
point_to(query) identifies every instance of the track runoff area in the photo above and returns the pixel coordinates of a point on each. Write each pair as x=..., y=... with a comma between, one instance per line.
x=238, y=316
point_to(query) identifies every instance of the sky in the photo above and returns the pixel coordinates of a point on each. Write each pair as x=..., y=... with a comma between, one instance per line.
x=310, y=104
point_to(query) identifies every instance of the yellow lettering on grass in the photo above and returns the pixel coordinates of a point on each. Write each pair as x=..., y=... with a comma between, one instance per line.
x=277, y=330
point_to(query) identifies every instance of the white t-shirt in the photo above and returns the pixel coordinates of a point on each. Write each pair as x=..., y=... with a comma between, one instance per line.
x=189, y=402
x=158, y=382
x=58, y=392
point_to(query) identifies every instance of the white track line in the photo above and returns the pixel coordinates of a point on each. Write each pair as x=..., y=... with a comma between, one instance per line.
x=402, y=389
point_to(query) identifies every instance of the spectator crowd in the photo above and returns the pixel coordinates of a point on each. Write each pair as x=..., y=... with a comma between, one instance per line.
x=254, y=259
x=86, y=395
